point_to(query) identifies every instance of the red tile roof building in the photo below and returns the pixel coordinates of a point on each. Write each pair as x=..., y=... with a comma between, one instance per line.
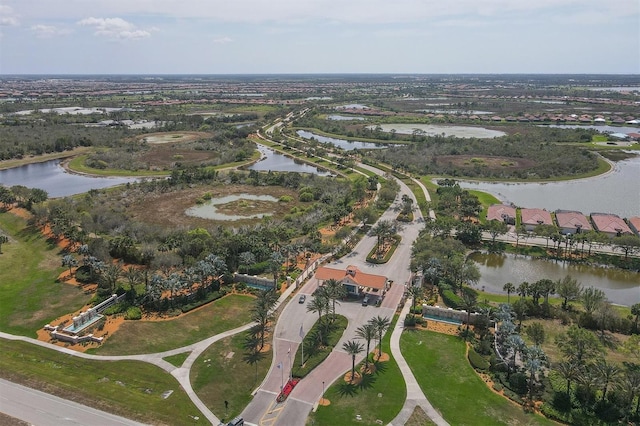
x=571, y=222
x=634, y=224
x=502, y=212
x=609, y=224
x=534, y=217
x=353, y=279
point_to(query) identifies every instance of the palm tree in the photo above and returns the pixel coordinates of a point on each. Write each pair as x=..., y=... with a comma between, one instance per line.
x=335, y=290
x=570, y=371
x=606, y=374
x=366, y=332
x=534, y=360
x=381, y=325
x=416, y=292
x=509, y=288
x=469, y=303
x=630, y=386
x=353, y=348
x=523, y=289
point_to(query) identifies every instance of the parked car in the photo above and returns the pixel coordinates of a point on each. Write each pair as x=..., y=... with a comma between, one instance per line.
x=238, y=421
x=365, y=301
x=302, y=298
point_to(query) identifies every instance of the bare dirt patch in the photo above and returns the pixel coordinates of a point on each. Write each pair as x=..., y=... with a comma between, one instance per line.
x=168, y=209
x=172, y=137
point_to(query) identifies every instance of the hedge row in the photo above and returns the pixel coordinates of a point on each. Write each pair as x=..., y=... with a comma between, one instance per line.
x=451, y=299
x=214, y=295
x=477, y=361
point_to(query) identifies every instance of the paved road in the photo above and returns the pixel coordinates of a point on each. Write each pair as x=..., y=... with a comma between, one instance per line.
x=42, y=409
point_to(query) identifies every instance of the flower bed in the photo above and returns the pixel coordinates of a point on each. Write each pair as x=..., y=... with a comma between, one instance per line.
x=286, y=390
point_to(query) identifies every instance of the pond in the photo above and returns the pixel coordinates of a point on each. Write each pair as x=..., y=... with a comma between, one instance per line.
x=274, y=161
x=436, y=129
x=338, y=117
x=340, y=143
x=53, y=178
x=620, y=287
x=615, y=192
x=210, y=209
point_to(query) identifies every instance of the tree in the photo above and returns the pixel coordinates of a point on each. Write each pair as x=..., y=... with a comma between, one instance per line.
x=381, y=325
x=606, y=374
x=547, y=288
x=496, y=228
x=569, y=289
x=521, y=308
x=366, y=332
x=383, y=230
x=535, y=331
x=630, y=386
x=469, y=303
x=67, y=260
x=534, y=360
x=635, y=310
x=3, y=240
x=570, y=371
x=591, y=299
x=628, y=244
x=111, y=275
x=579, y=345
x=416, y=292
x=246, y=258
x=353, y=348
x=523, y=289
x=253, y=355
x=335, y=290
x=509, y=288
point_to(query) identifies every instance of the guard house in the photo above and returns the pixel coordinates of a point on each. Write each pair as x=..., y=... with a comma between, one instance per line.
x=355, y=281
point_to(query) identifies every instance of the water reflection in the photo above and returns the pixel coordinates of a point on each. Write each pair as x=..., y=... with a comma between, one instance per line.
x=53, y=178
x=620, y=287
x=209, y=210
x=274, y=161
x=340, y=143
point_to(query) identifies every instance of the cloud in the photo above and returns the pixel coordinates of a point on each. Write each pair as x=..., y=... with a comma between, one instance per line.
x=222, y=40
x=7, y=17
x=49, y=31
x=114, y=28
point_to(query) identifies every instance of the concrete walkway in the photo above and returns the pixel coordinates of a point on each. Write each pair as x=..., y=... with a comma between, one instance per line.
x=415, y=396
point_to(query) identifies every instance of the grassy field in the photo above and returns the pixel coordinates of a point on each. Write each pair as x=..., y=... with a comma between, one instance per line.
x=138, y=337
x=439, y=364
x=221, y=374
x=30, y=297
x=379, y=398
x=128, y=388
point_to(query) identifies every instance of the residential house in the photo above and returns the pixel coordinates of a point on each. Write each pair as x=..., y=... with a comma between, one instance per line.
x=502, y=212
x=610, y=224
x=571, y=222
x=355, y=281
x=634, y=224
x=534, y=217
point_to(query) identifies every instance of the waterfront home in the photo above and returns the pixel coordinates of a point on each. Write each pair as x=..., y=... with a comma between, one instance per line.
x=634, y=224
x=355, y=281
x=534, y=217
x=571, y=222
x=610, y=224
x=502, y=212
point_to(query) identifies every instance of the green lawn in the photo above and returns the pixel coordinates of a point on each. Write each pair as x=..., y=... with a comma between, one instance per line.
x=439, y=364
x=379, y=397
x=131, y=389
x=221, y=374
x=30, y=297
x=137, y=337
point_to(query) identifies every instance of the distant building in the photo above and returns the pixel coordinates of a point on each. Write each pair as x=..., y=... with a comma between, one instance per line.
x=354, y=281
x=502, y=212
x=534, y=217
x=610, y=224
x=571, y=222
x=634, y=224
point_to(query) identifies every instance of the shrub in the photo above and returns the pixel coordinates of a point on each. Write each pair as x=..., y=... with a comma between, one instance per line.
x=451, y=299
x=115, y=309
x=477, y=361
x=210, y=298
x=518, y=383
x=562, y=401
x=497, y=387
x=286, y=199
x=133, y=313
x=410, y=321
x=305, y=197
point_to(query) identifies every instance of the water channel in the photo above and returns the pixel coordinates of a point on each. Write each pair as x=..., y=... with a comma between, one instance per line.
x=617, y=192
x=620, y=287
x=340, y=143
x=277, y=162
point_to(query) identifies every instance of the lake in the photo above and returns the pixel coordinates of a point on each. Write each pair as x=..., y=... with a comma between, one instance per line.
x=338, y=117
x=436, y=129
x=616, y=192
x=209, y=210
x=340, y=143
x=53, y=178
x=620, y=287
x=277, y=162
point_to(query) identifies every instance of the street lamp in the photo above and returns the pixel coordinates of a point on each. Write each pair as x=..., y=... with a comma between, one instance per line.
x=322, y=392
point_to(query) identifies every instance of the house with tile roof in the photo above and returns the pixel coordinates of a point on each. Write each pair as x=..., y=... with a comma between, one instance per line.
x=355, y=281
x=572, y=222
x=534, y=217
x=502, y=212
x=634, y=224
x=610, y=224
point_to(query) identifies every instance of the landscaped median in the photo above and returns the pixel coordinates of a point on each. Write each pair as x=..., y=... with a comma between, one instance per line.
x=377, y=398
x=315, y=354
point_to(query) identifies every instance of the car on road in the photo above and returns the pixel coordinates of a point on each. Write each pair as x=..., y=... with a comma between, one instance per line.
x=302, y=298
x=365, y=301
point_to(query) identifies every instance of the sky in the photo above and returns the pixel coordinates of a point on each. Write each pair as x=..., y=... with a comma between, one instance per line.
x=319, y=36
